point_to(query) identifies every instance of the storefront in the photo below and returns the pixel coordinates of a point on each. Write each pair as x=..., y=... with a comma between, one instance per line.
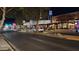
x=66, y=21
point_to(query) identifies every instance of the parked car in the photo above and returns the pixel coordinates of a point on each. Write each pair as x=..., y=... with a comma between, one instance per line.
x=40, y=30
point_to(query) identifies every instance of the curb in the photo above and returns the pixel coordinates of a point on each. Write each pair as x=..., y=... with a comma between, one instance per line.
x=13, y=48
x=4, y=45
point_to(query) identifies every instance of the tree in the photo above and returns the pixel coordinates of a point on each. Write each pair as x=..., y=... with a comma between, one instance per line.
x=3, y=9
x=3, y=16
x=38, y=13
x=21, y=13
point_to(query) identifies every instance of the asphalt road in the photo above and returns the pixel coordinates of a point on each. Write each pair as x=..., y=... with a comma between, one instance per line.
x=36, y=42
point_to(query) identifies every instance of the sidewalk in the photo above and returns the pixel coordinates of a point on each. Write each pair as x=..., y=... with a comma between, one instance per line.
x=58, y=34
x=61, y=31
x=70, y=37
x=4, y=46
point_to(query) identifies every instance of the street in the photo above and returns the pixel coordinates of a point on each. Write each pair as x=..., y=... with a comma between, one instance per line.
x=36, y=42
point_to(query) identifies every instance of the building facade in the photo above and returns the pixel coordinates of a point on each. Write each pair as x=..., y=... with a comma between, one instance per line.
x=66, y=21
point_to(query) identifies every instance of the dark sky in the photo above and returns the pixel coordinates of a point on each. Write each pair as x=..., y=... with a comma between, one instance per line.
x=63, y=10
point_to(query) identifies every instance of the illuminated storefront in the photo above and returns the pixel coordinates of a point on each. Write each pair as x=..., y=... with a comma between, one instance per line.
x=66, y=21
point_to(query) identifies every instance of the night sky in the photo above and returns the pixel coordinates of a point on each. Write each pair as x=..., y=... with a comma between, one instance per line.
x=63, y=10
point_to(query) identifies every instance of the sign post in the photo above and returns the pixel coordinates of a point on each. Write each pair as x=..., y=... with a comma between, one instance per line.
x=50, y=15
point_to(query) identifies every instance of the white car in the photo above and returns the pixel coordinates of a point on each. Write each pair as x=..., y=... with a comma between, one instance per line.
x=40, y=30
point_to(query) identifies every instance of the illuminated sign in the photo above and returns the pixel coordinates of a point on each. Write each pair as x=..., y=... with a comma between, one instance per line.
x=50, y=13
